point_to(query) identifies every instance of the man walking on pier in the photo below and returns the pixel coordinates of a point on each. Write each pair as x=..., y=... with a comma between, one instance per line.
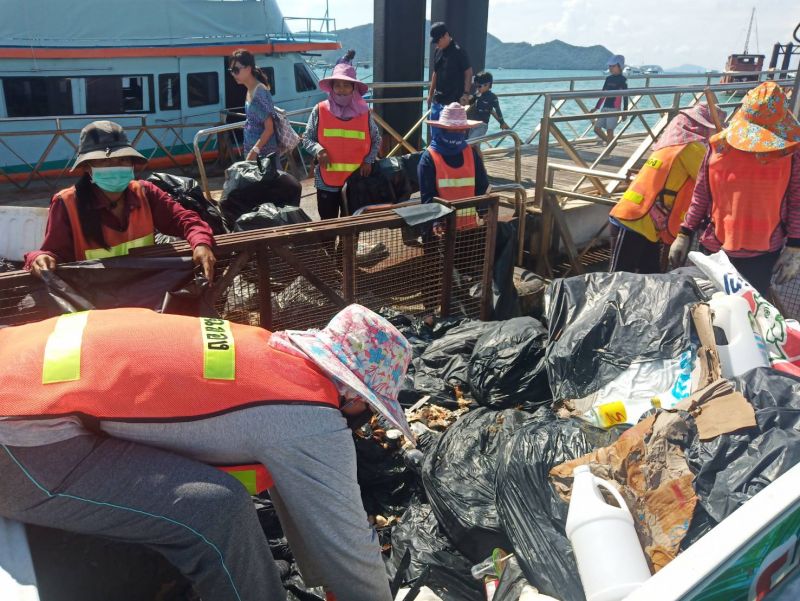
x=452, y=72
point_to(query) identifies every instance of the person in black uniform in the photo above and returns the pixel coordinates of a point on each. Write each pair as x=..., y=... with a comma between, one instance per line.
x=452, y=72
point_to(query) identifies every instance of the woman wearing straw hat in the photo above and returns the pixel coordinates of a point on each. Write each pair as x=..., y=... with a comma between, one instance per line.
x=342, y=135
x=171, y=395
x=108, y=212
x=650, y=212
x=748, y=192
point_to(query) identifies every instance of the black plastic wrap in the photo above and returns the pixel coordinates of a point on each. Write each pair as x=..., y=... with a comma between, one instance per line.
x=449, y=576
x=507, y=366
x=249, y=184
x=270, y=215
x=189, y=194
x=459, y=478
x=600, y=323
x=531, y=513
x=733, y=468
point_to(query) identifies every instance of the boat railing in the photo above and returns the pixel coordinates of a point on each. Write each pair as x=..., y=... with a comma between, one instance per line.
x=309, y=29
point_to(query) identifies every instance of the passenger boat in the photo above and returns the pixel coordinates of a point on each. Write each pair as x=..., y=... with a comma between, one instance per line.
x=158, y=68
x=744, y=62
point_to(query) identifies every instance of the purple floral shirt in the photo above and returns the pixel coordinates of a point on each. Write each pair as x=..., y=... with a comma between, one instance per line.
x=257, y=111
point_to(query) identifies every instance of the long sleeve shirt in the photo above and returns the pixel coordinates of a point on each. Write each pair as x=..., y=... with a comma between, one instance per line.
x=169, y=218
x=312, y=146
x=482, y=107
x=614, y=82
x=700, y=211
x=426, y=172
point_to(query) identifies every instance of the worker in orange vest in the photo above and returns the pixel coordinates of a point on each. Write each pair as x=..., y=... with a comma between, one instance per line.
x=748, y=192
x=651, y=210
x=342, y=135
x=108, y=212
x=105, y=416
x=449, y=168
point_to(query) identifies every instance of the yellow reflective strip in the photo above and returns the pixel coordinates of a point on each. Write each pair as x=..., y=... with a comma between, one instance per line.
x=343, y=166
x=62, y=352
x=219, y=352
x=633, y=197
x=353, y=134
x=247, y=478
x=457, y=182
x=120, y=250
x=654, y=163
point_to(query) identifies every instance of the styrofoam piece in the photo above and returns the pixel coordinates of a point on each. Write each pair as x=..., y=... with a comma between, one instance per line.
x=21, y=230
x=17, y=577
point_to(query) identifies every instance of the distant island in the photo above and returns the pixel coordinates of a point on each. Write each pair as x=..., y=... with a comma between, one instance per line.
x=499, y=54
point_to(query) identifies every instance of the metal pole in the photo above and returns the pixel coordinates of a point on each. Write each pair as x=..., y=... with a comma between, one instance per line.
x=541, y=181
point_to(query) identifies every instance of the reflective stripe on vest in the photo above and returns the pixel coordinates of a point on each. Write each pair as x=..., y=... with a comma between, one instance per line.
x=344, y=133
x=138, y=364
x=346, y=142
x=140, y=231
x=454, y=183
x=457, y=182
x=62, y=352
x=747, y=192
x=120, y=250
x=637, y=210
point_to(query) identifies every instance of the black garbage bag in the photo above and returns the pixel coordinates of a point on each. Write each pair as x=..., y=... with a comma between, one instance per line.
x=402, y=173
x=531, y=513
x=445, y=363
x=363, y=191
x=449, y=571
x=166, y=285
x=600, y=323
x=733, y=468
x=189, y=194
x=512, y=582
x=459, y=479
x=249, y=184
x=387, y=484
x=507, y=366
x=270, y=215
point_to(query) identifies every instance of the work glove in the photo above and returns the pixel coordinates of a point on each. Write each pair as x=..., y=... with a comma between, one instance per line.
x=679, y=251
x=788, y=265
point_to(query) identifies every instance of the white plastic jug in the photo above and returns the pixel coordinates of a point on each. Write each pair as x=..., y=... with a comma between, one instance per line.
x=610, y=559
x=741, y=349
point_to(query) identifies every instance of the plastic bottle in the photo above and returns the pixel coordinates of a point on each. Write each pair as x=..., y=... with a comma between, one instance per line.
x=611, y=563
x=740, y=348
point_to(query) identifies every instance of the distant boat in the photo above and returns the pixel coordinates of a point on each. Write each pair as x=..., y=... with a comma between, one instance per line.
x=744, y=62
x=651, y=69
x=631, y=70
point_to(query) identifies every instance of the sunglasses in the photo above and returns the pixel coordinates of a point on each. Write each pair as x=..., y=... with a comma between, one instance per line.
x=235, y=69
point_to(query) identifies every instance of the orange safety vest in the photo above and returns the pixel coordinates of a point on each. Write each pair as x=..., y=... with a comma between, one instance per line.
x=140, y=232
x=747, y=191
x=347, y=143
x=646, y=195
x=135, y=364
x=455, y=183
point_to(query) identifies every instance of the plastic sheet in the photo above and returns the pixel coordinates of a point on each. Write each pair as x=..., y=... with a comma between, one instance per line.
x=189, y=194
x=270, y=215
x=602, y=323
x=459, y=478
x=507, y=367
x=531, y=513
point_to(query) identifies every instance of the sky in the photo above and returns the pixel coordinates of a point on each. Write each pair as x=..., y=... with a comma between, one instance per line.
x=700, y=32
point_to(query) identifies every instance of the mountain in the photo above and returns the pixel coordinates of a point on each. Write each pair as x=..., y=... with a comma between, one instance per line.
x=516, y=55
x=686, y=69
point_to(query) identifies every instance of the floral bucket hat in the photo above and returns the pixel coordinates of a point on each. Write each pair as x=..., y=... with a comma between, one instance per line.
x=764, y=123
x=365, y=356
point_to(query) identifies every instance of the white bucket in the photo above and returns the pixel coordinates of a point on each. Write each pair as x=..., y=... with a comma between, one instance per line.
x=741, y=349
x=21, y=230
x=610, y=559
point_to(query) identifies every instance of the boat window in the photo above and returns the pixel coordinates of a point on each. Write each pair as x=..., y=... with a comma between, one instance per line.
x=270, y=73
x=203, y=88
x=304, y=79
x=113, y=95
x=38, y=96
x=169, y=91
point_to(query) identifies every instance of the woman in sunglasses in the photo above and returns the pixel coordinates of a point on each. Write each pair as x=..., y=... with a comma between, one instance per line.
x=259, y=129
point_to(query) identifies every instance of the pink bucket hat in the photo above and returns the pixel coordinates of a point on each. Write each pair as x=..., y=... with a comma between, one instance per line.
x=343, y=72
x=454, y=116
x=364, y=355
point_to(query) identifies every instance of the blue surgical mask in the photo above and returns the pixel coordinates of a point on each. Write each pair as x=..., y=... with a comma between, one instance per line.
x=112, y=179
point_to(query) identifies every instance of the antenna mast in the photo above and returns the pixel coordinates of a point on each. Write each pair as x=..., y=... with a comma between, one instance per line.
x=749, y=29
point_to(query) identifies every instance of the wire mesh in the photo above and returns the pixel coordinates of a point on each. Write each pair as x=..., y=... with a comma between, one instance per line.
x=23, y=302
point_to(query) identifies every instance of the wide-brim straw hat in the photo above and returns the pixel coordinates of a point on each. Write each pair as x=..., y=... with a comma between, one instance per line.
x=763, y=123
x=105, y=140
x=454, y=116
x=343, y=72
x=701, y=113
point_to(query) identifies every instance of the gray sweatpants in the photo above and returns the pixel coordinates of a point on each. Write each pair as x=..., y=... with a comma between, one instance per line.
x=199, y=518
x=309, y=452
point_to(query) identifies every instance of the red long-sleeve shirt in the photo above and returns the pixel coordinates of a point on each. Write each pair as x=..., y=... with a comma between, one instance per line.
x=169, y=218
x=700, y=210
